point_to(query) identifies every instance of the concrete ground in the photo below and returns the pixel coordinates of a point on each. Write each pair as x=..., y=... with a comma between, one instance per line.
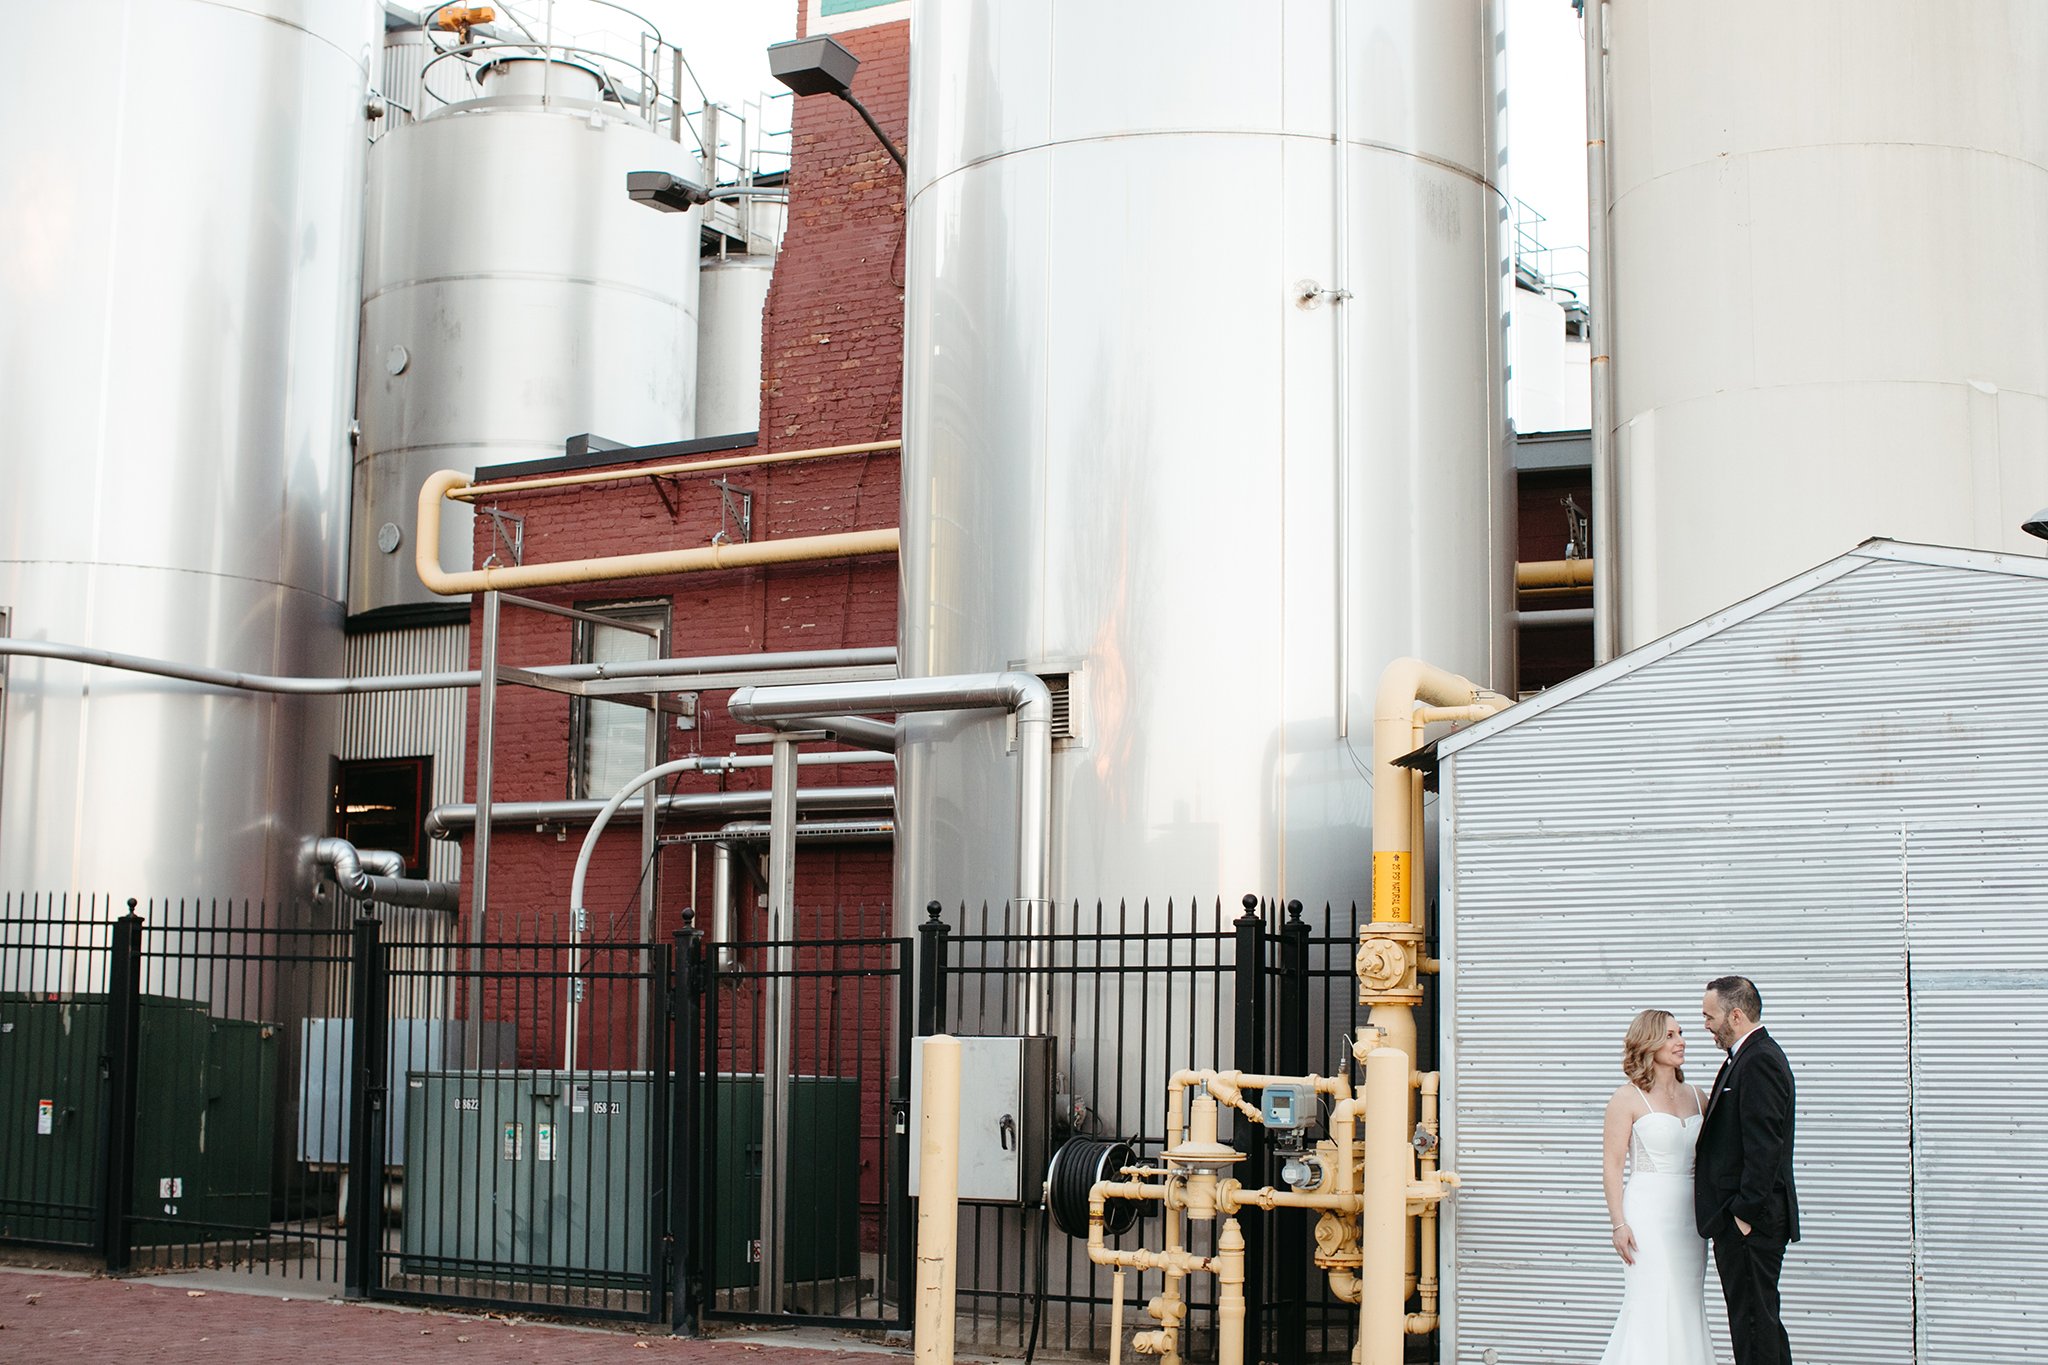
x=57, y=1315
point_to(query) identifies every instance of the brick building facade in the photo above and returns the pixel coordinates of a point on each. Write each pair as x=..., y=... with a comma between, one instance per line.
x=832, y=360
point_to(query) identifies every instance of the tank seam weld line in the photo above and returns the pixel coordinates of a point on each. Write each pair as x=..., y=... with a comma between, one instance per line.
x=1367, y=144
x=1823, y=384
x=1724, y=158
x=282, y=22
x=169, y=568
x=526, y=276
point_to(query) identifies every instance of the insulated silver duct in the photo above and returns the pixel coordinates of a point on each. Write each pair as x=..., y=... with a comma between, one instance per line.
x=375, y=874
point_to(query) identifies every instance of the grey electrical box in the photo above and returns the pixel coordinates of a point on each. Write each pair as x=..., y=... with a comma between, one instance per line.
x=414, y=1045
x=528, y=1175
x=1005, y=1118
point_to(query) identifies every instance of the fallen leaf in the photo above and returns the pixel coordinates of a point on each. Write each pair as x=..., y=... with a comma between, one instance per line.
x=462, y=1338
x=195, y=1293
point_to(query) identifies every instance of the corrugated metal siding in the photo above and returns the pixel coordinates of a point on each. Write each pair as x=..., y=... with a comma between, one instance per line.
x=408, y=724
x=1977, y=929
x=1894, y=692
x=1558, y=942
x=1741, y=804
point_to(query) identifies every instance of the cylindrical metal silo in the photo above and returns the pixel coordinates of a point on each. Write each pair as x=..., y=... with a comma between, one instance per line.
x=1204, y=413
x=734, y=292
x=179, y=265
x=1829, y=281
x=513, y=296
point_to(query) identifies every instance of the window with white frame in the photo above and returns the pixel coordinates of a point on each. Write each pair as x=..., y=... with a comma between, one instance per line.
x=608, y=740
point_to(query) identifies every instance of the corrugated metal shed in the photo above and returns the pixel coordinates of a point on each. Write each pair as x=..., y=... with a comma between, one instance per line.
x=1829, y=787
x=412, y=724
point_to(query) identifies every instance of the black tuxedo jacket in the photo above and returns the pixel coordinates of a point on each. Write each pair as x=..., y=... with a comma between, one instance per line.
x=1743, y=1165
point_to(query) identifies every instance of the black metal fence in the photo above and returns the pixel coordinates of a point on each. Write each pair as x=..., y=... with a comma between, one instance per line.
x=826, y=1151
x=590, y=1128
x=358, y=1096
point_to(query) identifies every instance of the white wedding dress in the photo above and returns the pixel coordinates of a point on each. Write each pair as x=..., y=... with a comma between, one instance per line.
x=1663, y=1307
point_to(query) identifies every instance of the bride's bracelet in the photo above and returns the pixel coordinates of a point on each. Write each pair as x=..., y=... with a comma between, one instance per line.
x=1619, y=1226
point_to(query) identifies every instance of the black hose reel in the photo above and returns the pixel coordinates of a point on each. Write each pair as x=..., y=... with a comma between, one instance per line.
x=1076, y=1167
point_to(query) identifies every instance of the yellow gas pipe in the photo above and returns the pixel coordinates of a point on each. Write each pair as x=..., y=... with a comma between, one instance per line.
x=456, y=486
x=1363, y=1239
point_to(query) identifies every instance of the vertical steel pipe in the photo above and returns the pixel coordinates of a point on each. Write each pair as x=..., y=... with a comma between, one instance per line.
x=1600, y=309
x=777, y=1017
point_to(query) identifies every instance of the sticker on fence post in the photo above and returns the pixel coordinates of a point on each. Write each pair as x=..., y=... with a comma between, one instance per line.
x=544, y=1142
x=46, y=1117
x=515, y=1141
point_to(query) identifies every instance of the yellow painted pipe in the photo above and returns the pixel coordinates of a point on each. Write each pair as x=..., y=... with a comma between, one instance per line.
x=1116, y=1315
x=1230, y=1310
x=938, y=1221
x=675, y=470
x=1554, y=573
x=1425, y=1322
x=1394, y=837
x=514, y=577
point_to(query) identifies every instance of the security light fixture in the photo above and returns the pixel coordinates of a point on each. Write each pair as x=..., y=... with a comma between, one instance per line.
x=820, y=66
x=2037, y=524
x=813, y=66
x=665, y=191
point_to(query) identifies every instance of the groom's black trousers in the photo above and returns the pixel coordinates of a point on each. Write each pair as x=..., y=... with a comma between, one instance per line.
x=1749, y=1269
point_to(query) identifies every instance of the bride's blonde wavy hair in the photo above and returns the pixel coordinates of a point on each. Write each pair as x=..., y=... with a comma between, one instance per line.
x=1645, y=1036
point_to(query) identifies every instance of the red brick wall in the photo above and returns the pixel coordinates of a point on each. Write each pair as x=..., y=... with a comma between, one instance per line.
x=832, y=356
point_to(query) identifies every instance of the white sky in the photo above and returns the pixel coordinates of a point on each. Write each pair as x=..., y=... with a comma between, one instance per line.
x=726, y=40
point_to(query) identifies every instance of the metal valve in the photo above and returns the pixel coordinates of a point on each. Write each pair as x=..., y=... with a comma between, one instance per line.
x=1381, y=963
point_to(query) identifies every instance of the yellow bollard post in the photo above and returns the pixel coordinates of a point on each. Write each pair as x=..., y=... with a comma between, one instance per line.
x=938, y=1204
x=1382, y=1316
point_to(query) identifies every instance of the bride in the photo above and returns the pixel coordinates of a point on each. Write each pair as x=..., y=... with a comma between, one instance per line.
x=1654, y=1121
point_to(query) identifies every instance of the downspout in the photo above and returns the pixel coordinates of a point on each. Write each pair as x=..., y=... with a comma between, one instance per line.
x=374, y=874
x=1022, y=694
x=746, y=554
x=1607, y=638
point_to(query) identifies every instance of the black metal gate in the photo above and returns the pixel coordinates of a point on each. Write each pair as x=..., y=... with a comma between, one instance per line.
x=532, y=1126
x=799, y=1108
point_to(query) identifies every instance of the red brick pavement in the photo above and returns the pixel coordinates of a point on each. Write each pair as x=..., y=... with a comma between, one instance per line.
x=45, y=1317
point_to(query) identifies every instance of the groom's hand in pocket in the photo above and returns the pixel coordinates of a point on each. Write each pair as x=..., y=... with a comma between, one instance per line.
x=1744, y=1227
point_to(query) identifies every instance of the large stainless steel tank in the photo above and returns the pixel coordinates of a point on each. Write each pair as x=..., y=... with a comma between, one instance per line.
x=513, y=297
x=179, y=260
x=1830, y=283
x=1148, y=446
x=735, y=291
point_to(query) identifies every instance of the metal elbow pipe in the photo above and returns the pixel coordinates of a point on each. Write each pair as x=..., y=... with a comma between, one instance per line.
x=1404, y=683
x=746, y=554
x=351, y=869
x=1023, y=694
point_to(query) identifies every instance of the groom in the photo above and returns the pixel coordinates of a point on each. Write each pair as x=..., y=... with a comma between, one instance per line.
x=1742, y=1173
